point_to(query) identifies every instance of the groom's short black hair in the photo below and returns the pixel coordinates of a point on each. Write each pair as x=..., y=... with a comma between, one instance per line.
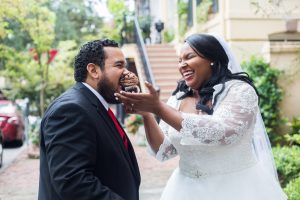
x=91, y=52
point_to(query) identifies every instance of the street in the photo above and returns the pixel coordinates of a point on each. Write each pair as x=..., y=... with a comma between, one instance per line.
x=9, y=155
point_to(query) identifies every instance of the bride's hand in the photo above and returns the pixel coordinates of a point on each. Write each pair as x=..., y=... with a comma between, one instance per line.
x=140, y=102
x=129, y=109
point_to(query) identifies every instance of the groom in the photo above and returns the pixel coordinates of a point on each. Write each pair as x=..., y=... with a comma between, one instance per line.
x=85, y=153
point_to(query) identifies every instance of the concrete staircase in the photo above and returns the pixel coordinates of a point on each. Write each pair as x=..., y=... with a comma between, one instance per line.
x=164, y=62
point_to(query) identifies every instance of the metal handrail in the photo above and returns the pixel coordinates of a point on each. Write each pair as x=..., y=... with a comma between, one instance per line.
x=145, y=61
x=143, y=53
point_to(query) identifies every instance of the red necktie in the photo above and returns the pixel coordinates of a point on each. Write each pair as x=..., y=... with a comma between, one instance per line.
x=121, y=131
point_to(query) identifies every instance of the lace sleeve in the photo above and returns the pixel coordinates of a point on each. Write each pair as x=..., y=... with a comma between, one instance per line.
x=166, y=149
x=230, y=121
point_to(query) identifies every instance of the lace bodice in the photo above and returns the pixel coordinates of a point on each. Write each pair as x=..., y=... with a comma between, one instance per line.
x=218, y=143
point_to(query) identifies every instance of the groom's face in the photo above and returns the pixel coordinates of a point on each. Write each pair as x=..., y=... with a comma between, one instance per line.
x=114, y=66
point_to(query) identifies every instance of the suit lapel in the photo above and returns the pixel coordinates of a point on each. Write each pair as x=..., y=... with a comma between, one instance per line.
x=128, y=154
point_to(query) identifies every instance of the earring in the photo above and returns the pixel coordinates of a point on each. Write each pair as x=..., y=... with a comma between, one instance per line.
x=211, y=64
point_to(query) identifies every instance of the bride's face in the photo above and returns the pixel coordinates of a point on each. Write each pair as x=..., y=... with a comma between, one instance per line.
x=194, y=68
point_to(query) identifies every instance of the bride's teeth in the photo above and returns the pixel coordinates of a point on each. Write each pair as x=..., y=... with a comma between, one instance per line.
x=188, y=73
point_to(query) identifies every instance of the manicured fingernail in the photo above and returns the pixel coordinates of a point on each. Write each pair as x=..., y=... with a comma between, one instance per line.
x=115, y=94
x=117, y=98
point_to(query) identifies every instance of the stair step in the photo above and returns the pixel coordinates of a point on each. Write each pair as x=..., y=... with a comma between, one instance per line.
x=167, y=76
x=162, y=72
x=164, y=64
x=164, y=87
x=163, y=60
x=159, y=46
x=162, y=54
x=167, y=92
x=167, y=84
x=173, y=51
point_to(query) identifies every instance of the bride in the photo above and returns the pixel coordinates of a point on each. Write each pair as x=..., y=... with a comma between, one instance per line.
x=212, y=121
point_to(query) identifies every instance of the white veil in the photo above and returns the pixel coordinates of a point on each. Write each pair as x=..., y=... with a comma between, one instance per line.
x=261, y=142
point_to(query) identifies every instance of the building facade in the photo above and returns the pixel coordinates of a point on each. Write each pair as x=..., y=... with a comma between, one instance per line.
x=251, y=27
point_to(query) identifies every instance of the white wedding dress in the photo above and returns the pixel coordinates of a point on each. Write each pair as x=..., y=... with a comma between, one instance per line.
x=217, y=158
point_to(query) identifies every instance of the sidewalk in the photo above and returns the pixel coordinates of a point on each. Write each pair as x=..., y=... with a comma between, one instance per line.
x=19, y=181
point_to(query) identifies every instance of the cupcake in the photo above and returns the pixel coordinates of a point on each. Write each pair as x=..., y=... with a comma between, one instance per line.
x=129, y=82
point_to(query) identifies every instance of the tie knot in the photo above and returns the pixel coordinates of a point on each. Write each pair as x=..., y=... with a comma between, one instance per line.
x=110, y=111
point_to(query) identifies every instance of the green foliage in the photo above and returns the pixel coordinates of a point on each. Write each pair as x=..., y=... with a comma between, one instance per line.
x=182, y=16
x=61, y=71
x=8, y=10
x=265, y=79
x=31, y=17
x=203, y=10
x=118, y=9
x=293, y=137
x=295, y=126
x=293, y=189
x=34, y=131
x=287, y=160
x=17, y=38
x=31, y=75
x=75, y=20
x=39, y=24
x=21, y=71
x=109, y=32
x=168, y=36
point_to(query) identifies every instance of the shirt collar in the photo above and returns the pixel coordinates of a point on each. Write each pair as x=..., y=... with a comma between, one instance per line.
x=101, y=99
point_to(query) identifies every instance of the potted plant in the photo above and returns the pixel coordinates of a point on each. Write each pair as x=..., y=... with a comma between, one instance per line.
x=133, y=122
x=34, y=139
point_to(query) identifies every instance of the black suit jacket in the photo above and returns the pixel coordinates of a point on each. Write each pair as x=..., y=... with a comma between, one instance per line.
x=82, y=154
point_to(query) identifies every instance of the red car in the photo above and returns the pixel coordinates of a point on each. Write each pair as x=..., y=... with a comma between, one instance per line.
x=11, y=122
x=1, y=148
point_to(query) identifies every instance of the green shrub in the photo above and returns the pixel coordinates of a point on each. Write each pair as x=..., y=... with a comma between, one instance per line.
x=295, y=126
x=169, y=36
x=182, y=16
x=265, y=79
x=293, y=137
x=293, y=189
x=34, y=131
x=287, y=161
x=203, y=10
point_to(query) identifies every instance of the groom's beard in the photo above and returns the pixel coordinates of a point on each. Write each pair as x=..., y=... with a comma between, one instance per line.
x=105, y=88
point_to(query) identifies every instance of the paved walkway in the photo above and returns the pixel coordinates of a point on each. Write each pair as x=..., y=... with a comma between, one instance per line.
x=19, y=181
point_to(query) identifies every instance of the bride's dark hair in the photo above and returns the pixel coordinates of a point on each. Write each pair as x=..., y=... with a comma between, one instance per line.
x=208, y=46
